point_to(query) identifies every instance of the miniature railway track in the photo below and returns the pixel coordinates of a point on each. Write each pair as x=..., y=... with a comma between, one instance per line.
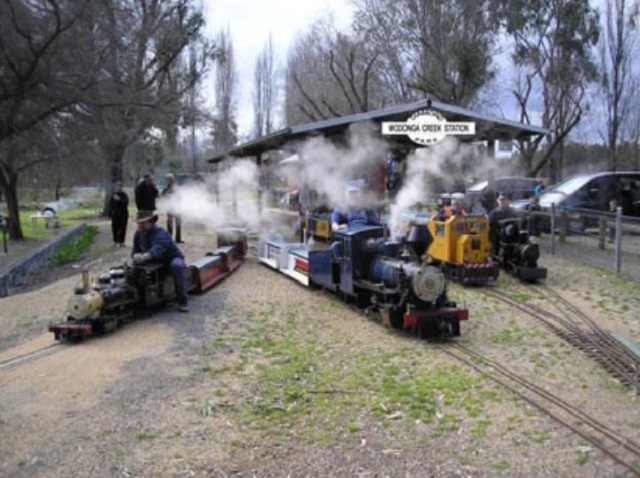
x=620, y=449
x=31, y=356
x=581, y=331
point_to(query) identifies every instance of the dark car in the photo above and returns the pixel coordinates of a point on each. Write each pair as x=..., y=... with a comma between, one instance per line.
x=514, y=187
x=593, y=192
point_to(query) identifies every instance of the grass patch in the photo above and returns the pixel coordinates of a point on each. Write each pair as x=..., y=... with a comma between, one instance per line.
x=537, y=436
x=318, y=393
x=71, y=251
x=502, y=465
x=146, y=435
x=515, y=335
x=68, y=218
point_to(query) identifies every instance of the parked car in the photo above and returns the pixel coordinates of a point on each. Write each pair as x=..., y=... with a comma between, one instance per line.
x=516, y=188
x=594, y=191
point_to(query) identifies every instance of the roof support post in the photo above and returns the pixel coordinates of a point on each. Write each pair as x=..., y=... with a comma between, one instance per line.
x=491, y=148
x=261, y=181
x=491, y=152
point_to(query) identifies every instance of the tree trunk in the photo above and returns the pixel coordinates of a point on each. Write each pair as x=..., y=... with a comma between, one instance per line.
x=9, y=186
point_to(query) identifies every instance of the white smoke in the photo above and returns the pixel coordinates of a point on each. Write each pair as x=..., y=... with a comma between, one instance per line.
x=432, y=168
x=326, y=167
x=229, y=198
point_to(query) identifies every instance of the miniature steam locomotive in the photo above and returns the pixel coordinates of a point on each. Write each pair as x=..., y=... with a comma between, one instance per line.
x=518, y=251
x=469, y=254
x=386, y=279
x=461, y=244
x=128, y=290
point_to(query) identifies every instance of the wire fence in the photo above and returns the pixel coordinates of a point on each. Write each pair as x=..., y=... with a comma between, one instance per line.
x=607, y=240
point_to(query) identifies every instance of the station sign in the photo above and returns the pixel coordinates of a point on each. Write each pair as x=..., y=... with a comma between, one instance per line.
x=427, y=127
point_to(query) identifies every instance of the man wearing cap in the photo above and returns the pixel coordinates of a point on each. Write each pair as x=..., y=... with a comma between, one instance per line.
x=355, y=212
x=501, y=212
x=153, y=244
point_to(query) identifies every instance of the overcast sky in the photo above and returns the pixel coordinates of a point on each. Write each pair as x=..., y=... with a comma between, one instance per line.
x=251, y=21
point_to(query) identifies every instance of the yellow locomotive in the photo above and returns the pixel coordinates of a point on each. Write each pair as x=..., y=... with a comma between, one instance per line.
x=461, y=244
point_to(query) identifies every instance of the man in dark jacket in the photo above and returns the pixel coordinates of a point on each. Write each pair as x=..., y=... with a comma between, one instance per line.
x=153, y=244
x=119, y=214
x=500, y=213
x=146, y=193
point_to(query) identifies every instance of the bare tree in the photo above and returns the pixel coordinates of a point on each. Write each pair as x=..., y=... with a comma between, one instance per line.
x=225, y=128
x=264, y=91
x=552, y=53
x=39, y=79
x=376, y=22
x=632, y=130
x=145, y=74
x=616, y=85
x=442, y=49
x=329, y=74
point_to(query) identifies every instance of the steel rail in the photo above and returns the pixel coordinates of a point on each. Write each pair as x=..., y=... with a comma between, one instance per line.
x=603, y=351
x=33, y=355
x=544, y=397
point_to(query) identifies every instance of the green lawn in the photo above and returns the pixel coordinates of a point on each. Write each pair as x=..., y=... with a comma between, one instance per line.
x=68, y=218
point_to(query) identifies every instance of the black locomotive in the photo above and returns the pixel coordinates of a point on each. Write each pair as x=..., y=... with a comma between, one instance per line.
x=517, y=249
x=100, y=306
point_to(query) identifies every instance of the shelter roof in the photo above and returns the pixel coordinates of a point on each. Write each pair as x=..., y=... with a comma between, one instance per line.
x=487, y=128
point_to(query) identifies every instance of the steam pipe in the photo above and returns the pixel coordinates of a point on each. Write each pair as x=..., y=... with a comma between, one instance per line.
x=86, y=286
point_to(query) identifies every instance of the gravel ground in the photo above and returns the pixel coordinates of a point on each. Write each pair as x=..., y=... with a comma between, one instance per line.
x=171, y=394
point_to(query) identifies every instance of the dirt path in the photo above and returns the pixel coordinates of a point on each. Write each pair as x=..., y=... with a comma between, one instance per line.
x=182, y=395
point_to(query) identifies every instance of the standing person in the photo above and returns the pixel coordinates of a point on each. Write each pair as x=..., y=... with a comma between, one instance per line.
x=172, y=219
x=501, y=212
x=119, y=214
x=153, y=244
x=355, y=211
x=146, y=193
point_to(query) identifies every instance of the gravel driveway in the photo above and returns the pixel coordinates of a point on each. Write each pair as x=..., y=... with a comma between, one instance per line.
x=200, y=394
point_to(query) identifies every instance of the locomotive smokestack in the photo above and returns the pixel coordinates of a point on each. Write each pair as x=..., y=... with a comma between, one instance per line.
x=86, y=286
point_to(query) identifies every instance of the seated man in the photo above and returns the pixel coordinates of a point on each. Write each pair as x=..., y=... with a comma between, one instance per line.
x=354, y=212
x=152, y=243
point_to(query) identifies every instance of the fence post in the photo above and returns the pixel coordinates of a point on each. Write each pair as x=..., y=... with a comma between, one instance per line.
x=618, y=245
x=553, y=228
x=602, y=232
